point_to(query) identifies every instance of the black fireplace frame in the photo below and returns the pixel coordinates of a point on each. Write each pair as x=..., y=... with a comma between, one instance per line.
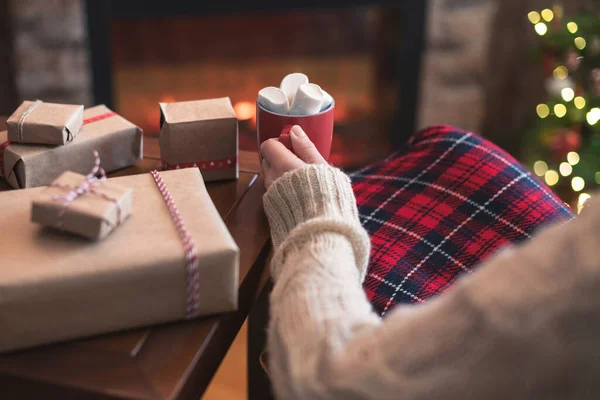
x=100, y=14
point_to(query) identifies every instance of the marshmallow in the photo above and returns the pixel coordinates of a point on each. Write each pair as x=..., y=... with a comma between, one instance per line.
x=291, y=83
x=327, y=100
x=274, y=100
x=308, y=100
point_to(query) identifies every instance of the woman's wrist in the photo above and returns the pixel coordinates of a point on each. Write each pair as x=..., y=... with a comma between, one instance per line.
x=313, y=191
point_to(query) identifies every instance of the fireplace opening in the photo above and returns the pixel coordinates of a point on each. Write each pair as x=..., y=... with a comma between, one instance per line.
x=352, y=52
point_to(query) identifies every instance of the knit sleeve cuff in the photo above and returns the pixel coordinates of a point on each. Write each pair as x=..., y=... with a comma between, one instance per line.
x=315, y=190
x=320, y=198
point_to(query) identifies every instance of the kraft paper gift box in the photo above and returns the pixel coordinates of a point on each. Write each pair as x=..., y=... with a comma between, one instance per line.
x=44, y=123
x=93, y=215
x=118, y=141
x=56, y=287
x=202, y=134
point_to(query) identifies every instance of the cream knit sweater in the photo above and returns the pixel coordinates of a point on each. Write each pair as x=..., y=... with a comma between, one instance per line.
x=526, y=325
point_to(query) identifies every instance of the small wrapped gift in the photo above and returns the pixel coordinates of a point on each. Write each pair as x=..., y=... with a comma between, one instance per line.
x=172, y=259
x=44, y=123
x=118, y=141
x=84, y=205
x=201, y=134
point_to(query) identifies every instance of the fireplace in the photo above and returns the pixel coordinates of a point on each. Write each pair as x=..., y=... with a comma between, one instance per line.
x=366, y=54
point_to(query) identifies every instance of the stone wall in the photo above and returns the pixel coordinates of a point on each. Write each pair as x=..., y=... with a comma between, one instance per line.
x=454, y=64
x=51, y=57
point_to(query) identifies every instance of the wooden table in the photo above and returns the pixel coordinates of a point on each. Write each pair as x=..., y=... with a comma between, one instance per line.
x=172, y=361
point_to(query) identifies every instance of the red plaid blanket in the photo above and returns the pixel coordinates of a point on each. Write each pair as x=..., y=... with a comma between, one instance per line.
x=439, y=207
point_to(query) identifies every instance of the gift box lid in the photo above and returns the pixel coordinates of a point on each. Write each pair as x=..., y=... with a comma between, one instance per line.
x=202, y=134
x=63, y=119
x=92, y=215
x=196, y=111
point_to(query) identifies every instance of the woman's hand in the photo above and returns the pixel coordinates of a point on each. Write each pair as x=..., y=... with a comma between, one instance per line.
x=277, y=159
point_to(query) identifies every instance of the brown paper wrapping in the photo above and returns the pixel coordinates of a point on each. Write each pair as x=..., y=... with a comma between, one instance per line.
x=118, y=142
x=57, y=287
x=89, y=215
x=200, y=132
x=48, y=123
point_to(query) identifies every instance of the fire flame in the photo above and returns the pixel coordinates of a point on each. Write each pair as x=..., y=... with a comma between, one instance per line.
x=244, y=110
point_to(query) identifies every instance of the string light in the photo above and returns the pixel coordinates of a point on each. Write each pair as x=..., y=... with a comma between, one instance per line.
x=583, y=197
x=577, y=183
x=573, y=158
x=540, y=168
x=548, y=15
x=593, y=116
x=541, y=29
x=597, y=177
x=534, y=17
x=560, y=110
x=543, y=110
x=580, y=43
x=551, y=177
x=565, y=169
x=568, y=94
x=561, y=72
x=572, y=27
x=579, y=102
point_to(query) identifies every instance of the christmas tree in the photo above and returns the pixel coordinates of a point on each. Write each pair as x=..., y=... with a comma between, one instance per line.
x=564, y=147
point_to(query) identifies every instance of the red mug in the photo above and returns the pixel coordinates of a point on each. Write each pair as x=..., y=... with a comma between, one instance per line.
x=318, y=127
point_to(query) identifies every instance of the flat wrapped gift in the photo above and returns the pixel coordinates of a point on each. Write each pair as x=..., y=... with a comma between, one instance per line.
x=118, y=141
x=56, y=287
x=44, y=123
x=99, y=210
x=202, y=134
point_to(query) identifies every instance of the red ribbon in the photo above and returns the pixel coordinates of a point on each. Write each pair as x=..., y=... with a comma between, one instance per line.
x=4, y=145
x=204, y=165
x=99, y=117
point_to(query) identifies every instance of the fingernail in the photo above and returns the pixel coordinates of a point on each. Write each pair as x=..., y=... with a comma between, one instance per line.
x=297, y=132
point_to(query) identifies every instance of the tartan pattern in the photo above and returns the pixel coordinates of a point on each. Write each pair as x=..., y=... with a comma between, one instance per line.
x=437, y=208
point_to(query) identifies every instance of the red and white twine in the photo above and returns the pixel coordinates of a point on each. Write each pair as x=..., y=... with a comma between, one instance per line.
x=87, y=186
x=191, y=251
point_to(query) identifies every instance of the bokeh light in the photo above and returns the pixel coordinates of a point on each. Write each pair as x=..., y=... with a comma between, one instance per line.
x=547, y=14
x=577, y=183
x=560, y=110
x=540, y=168
x=534, y=17
x=593, y=116
x=580, y=43
x=565, y=169
x=551, y=177
x=573, y=158
x=561, y=72
x=541, y=28
x=579, y=102
x=543, y=110
x=568, y=94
